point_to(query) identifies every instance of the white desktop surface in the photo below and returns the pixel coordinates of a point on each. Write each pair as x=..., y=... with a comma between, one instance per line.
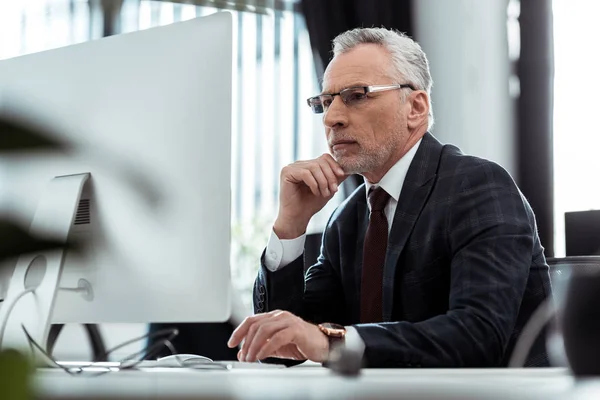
x=319, y=383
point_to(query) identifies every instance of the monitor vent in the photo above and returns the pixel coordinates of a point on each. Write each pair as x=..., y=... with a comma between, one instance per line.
x=83, y=212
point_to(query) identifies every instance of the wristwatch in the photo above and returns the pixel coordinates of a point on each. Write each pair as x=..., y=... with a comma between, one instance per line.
x=335, y=333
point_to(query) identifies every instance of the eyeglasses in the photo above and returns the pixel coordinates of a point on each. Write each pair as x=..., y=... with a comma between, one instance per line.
x=352, y=96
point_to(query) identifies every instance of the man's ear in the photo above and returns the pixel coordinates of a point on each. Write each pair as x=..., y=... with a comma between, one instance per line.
x=419, y=109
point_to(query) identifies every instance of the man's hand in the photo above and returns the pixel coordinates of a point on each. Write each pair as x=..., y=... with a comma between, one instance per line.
x=306, y=186
x=279, y=334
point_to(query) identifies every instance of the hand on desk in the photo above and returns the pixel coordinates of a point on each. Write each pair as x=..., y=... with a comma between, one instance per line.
x=279, y=334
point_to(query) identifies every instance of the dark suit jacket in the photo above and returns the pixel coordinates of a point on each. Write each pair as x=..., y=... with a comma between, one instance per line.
x=464, y=268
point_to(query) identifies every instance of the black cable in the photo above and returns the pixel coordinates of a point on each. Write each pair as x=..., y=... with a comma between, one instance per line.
x=171, y=333
x=55, y=330
x=93, y=334
x=33, y=344
x=148, y=352
x=97, y=342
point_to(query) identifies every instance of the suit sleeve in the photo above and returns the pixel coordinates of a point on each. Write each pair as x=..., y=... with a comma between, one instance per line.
x=315, y=296
x=491, y=237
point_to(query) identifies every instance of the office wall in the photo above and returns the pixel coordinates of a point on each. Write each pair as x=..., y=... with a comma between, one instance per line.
x=466, y=43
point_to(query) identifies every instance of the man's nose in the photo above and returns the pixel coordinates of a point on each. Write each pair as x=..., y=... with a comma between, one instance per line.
x=336, y=115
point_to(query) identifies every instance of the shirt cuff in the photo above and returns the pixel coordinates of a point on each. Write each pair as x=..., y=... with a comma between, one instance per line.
x=353, y=341
x=280, y=253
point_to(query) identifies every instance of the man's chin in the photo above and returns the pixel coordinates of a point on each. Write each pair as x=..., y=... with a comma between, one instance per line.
x=349, y=166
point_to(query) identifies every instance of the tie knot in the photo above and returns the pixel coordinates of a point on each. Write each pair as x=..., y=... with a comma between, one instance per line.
x=378, y=199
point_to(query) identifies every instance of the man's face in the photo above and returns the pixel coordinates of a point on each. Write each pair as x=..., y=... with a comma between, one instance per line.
x=367, y=138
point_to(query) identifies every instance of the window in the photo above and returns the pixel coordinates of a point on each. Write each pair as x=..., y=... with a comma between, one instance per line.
x=272, y=126
x=576, y=137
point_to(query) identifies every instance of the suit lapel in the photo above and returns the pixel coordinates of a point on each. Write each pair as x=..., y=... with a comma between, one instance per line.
x=415, y=191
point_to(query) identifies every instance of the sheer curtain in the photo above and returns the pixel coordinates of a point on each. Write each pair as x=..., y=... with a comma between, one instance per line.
x=274, y=73
x=576, y=133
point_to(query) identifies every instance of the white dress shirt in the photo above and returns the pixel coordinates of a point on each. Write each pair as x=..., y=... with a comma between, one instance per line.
x=280, y=253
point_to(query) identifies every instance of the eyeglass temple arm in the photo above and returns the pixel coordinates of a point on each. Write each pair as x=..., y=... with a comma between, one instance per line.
x=371, y=89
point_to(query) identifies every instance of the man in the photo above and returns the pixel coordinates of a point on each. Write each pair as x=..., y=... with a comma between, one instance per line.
x=434, y=262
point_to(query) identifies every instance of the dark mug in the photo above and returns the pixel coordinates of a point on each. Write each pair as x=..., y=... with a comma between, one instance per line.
x=581, y=323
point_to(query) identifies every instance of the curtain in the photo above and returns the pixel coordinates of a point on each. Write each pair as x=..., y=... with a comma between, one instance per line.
x=535, y=115
x=325, y=19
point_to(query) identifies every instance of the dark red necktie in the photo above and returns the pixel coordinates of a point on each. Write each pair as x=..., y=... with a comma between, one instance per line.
x=374, y=258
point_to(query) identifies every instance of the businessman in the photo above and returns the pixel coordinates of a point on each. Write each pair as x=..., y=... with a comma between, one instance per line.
x=434, y=262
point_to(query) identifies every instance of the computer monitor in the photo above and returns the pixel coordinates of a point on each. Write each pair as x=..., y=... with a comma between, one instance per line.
x=159, y=101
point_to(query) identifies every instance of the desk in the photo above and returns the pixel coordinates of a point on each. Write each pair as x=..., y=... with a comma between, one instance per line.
x=320, y=383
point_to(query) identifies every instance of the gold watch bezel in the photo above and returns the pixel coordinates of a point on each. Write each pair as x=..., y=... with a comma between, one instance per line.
x=332, y=330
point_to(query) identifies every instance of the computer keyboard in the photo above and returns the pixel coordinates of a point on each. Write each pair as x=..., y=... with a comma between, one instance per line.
x=151, y=364
x=211, y=365
x=249, y=365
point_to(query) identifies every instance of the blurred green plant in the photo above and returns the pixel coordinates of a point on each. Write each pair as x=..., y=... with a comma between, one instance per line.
x=248, y=239
x=19, y=138
x=15, y=376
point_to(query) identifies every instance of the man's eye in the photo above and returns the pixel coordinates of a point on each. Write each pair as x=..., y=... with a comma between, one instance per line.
x=355, y=97
x=326, y=103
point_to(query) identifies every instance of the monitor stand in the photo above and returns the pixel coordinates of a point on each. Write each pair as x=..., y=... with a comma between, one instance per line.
x=40, y=271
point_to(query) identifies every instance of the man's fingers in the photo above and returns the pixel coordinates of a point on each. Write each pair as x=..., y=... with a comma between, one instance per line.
x=335, y=167
x=263, y=335
x=276, y=342
x=332, y=180
x=321, y=179
x=237, y=335
x=299, y=175
x=249, y=338
x=322, y=175
x=242, y=330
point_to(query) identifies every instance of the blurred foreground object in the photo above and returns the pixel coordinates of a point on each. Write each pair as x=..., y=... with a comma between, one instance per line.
x=19, y=138
x=15, y=376
x=581, y=323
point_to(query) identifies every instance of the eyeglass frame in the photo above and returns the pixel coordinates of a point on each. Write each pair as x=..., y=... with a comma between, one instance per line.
x=366, y=90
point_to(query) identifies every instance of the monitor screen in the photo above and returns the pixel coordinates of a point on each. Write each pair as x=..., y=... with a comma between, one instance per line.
x=154, y=104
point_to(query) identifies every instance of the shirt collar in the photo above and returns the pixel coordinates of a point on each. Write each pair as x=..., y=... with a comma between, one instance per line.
x=393, y=180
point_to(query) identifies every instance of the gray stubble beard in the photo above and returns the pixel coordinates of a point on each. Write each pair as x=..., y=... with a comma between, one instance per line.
x=365, y=162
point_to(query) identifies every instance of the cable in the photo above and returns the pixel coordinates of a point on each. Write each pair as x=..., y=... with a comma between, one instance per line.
x=49, y=359
x=93, y=334
x=170, y=333
x=148, y=352
x=55, y=330
x=9, y=309
x=96, y=341
x=538, y=320
x=101, y=353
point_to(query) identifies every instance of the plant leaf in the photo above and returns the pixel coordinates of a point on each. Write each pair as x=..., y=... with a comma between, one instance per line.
x=15, y=376
x=14, y=240
x=18, y=136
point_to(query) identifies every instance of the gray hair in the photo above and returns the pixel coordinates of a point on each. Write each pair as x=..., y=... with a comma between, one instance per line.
x=409, y=60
